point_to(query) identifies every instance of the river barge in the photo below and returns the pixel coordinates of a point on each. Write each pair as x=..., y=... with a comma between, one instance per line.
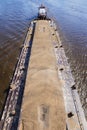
x=42, y=93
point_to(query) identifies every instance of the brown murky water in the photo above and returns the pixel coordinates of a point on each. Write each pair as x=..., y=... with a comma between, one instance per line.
x=71, y=17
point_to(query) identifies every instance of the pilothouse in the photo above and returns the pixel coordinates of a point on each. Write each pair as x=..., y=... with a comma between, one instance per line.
x=42, y=12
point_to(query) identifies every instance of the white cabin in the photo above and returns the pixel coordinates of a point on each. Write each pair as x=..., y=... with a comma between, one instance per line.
x=42, y=13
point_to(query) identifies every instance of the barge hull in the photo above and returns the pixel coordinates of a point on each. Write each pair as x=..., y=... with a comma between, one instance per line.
x=42, y=93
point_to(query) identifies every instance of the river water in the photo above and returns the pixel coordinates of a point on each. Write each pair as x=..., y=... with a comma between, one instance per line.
x=71, y=18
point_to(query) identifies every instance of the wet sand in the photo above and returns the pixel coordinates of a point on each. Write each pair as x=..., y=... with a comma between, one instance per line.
x=43, y=103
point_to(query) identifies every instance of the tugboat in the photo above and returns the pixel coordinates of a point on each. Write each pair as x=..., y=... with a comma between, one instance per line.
x=42, y=12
